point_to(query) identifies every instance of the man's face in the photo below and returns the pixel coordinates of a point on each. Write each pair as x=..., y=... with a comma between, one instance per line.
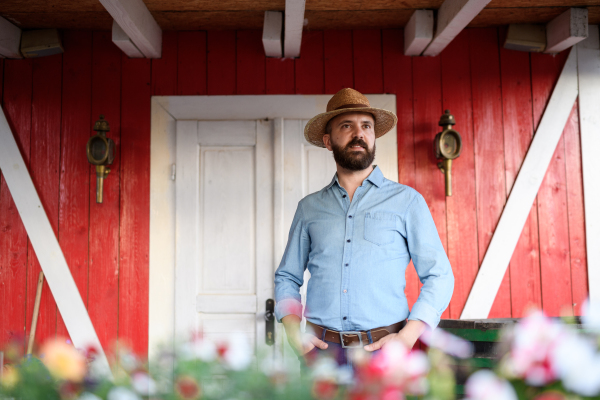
x=352, y=140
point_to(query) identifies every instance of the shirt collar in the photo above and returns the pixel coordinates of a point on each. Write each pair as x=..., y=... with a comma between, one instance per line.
x=375, y=177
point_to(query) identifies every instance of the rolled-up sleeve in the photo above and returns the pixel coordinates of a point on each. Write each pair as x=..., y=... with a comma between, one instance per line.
x=431, y=263
x=290, y=273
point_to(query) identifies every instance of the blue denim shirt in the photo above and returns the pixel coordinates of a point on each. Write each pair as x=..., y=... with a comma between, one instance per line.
x=357, y=253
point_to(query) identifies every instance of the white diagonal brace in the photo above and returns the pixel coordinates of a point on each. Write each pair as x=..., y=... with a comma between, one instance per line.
x=566, y=30
x=48, y=251
x=294, y=22
x=122, y=41
x=418, y=32
x=136, y=21
x=453, y=16
x=523, y=194
x=272, y=33
x=10, y=40
x=588, y=64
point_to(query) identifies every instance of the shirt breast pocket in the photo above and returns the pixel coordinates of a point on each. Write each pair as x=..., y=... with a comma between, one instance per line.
x=380, y=228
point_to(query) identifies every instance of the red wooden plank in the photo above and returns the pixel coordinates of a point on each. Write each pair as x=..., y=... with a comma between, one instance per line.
x=489, y=148
x=339, y=73
x=164, y=69
x=461, y=207
x=135, y=203
x=221, y=62
x=280, y=76
x=104, y=218
x=13, y=239
x=427, y=92
x=525, y=283
x=250, y=60
x=191, y=63
x=398, y=79
x=552, y=199
x=74, y=200
x=368, y=66
x=309, y=67
x=576, y=210
x=44, y=169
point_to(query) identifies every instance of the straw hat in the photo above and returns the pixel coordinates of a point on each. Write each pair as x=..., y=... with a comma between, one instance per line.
x=348, y=100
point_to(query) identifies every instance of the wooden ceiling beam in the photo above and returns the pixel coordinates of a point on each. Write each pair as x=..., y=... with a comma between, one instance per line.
x=272, y=32
x=10, y=40
x=418, y=32
x=138, y=24
x=566, y=30
x=453, y=16
x=294, y=23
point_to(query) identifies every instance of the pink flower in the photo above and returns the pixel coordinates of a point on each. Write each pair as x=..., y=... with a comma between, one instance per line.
x=485, y=385
x=448, y=343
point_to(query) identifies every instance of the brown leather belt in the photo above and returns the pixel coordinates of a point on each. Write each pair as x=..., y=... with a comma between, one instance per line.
x=355, y=338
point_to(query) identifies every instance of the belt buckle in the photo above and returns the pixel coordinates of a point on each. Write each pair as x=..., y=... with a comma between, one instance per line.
x=360, y=342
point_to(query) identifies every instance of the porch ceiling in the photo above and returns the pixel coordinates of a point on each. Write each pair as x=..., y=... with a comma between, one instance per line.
x=249, y=14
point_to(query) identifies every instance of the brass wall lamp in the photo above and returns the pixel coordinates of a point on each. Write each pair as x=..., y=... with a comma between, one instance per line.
x=448, y=145
x=100, y=152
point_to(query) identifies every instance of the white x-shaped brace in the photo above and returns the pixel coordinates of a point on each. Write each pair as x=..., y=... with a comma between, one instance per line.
x=48, y=251
x=580, y=76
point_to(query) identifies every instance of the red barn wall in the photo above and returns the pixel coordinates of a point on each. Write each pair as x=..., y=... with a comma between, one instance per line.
x=497, y=96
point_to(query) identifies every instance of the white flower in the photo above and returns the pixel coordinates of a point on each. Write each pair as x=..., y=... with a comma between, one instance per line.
x=325, y=368
x=122, y=393
x=143, y=384
x=88, y=396
x=577, y=364
x=199, y=348
x=236, y=351
x=591, y=315
x=485, y=385
x=448, y=343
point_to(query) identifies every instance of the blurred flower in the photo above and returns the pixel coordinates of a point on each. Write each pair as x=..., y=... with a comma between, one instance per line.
x=122, y=393
x=551, y=395
x=63, y=360
x=448, y=343
x=69, y=390
x=485, y=385
x=127, y=359
x=591, y=315
x=577, y=363
x=199, y=348
x=532, y=342
x=88, y=396
x=9, y=377
x=143, y=383
x=325, y=389
x=235, y=351
x=187, y=388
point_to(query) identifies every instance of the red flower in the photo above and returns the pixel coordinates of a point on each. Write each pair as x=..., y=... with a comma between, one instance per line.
x=324, y=389
x=550, y=396
x=187, y=388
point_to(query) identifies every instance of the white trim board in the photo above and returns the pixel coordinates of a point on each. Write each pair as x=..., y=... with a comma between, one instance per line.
x=588, y=57
x=166, y=112
x=580, y=76
x=48, y=251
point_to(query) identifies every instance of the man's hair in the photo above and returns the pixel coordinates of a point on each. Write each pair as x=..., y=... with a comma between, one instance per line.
x=329, y=128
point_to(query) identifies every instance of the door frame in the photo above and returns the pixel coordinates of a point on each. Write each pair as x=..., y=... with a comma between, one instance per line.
x=165, y=112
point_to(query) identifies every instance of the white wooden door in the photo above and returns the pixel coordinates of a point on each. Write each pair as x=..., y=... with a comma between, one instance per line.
x=224, y=227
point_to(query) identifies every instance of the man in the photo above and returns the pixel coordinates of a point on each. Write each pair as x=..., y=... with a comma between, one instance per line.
x=357, y=236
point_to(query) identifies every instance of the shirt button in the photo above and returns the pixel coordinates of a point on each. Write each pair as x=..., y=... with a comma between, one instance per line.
x=347, y=265
x=348, y=240
x=345, y=290
x=345, y=318
x=349, y=216
x=344, y=196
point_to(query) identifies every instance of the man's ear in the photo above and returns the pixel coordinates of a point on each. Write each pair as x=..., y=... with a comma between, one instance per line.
x=327, y=141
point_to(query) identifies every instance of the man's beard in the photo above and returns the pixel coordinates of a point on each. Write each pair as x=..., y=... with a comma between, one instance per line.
x=353, y=160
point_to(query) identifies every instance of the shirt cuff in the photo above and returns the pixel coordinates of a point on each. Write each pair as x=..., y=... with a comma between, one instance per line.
x=424, y=312
x=286, y=307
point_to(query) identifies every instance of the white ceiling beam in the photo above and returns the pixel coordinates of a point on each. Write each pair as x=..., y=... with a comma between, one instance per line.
x=10, y=40
x=530, y=177
x=272, y=33
x=453, y=16
x=566, y=30
x=122, y=41
x=294, y=22
x=418, y=32
x=46, y=247
x=588, y=64
x=138, y=24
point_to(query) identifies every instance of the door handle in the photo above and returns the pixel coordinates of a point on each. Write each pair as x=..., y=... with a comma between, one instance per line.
x=270, y=322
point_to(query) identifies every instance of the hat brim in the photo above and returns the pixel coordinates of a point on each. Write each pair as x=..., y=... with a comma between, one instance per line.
x=315, y=128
